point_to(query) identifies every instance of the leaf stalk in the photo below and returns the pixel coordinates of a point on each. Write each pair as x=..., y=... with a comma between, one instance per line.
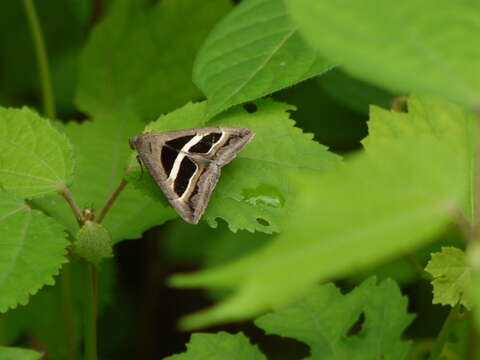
x=108, y=204
x=65, y=192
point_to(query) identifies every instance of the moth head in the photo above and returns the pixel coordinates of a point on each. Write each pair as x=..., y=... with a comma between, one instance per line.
x=133, y=142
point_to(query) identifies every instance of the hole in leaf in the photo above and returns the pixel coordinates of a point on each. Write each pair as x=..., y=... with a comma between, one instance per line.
x=250, y=107
x=263, y=222
x=400, y=104
x=357, y=325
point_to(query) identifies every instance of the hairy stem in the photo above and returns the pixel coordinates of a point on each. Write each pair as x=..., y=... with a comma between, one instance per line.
x=65, y=192
x=90, y=335
x=108, y=204
x=444, y=334
x=42, y=59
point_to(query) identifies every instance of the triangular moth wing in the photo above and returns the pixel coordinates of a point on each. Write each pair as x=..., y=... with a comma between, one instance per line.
x=186, y=164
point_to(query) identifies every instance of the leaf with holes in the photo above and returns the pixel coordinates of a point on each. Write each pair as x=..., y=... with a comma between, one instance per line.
x=33, y=249
x=451, y=277
x=11, y=353
x=410, y=45
x=328, y=334
x=219, y=346
x=403, y=195
x=154, y=52
x=254, y=51
x=254, y=191
x=35, y=159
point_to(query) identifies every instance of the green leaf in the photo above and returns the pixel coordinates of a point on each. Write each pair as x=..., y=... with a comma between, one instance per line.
x=421, y=46
x=93, y=243
x=451, y=277
x=254, y=192
x=10, y=353
x=426, y=115
x=35, y=159
x=378, y=206
x=219, y=346
x=408, y=269
x=254, y=51
x=102, y=147
x=356, y=94
x=448, y=122
x=328, y=332
x=33, y=249
x=153, y=56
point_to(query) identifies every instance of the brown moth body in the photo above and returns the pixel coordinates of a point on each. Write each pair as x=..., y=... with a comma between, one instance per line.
x=186, y=164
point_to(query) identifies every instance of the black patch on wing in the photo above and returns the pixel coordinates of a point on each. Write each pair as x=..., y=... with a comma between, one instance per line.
x=179, y=142
x=207, y=142
x=186, y=171
x=168, y=157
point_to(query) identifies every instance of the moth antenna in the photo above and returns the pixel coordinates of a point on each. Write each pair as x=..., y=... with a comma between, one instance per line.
x=141, y=166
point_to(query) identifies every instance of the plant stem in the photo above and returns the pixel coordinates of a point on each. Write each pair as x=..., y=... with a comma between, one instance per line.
x=42, y=59
x=476, y=206
x=108, y=204
x=90, y=335
x=68, y=311
x=65, y=192
x=444, y=334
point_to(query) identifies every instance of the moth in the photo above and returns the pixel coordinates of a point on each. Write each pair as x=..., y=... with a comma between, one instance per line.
x=186, y=164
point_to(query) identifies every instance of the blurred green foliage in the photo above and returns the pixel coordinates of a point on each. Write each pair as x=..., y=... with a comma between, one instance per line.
x=365, y=191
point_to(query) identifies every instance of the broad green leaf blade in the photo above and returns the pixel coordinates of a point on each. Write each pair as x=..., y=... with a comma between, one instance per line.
x=254, y=192
x=451, y=277
x=254, y=51
x=144, y=56
x=378, y=206
x=11, y=353
x=219, y=346
x=102, y=147
x=422, y=46
x=33, y=249
x=426, y=115
x=448, y=122
x=35, y=159
x=323, y=318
